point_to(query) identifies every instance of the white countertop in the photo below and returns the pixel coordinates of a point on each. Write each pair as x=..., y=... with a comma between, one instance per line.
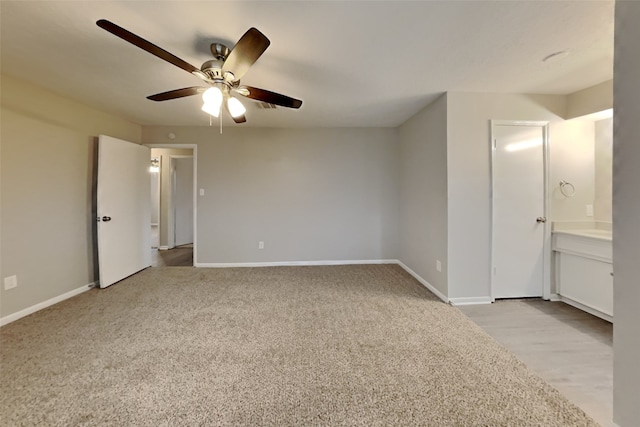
x=592, y=233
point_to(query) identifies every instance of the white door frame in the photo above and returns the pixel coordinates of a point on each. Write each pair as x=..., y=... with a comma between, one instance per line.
x=193, y=147
x=546, y=254
x=157, y=175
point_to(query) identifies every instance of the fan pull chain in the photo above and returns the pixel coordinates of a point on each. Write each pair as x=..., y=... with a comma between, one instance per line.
x=211, y=121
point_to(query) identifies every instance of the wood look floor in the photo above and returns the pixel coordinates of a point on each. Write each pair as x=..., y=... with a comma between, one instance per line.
x=570, y=349
x=181, y=256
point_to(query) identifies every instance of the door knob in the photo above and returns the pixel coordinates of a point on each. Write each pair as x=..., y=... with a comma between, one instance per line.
x=106, y=218
x=541, y=219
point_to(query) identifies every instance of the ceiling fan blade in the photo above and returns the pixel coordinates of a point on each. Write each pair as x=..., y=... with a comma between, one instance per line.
x=145, y=45
x=268, y=96
x=245, y=53
x=177, y=93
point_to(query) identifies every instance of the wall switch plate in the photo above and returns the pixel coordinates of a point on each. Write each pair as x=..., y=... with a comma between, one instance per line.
x=589, y=210
x=439, y=266
x=10, y=282
x=260, y=245
x=202, y=191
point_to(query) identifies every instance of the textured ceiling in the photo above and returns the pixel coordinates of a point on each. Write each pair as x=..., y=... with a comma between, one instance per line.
x=353, y=63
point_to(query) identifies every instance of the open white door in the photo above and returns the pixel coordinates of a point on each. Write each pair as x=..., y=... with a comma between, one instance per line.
x=519, y=210
x=124, y=209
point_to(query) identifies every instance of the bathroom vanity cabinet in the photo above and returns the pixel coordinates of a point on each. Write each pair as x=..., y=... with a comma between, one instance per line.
x=584, y=271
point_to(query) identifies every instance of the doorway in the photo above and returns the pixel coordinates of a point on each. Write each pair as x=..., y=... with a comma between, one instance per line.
x=520, y=231
x=175, y=203
x=182, y=199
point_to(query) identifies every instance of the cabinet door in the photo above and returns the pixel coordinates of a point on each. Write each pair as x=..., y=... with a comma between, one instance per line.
x=587, y=281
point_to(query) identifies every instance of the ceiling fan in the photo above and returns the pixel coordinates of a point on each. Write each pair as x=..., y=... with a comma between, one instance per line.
x=222, y=74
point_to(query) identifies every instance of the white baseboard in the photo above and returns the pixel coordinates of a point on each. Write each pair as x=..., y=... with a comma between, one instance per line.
x=455, y=301
x=163, y=248
x=292, y=263
x=555, y=297
x=470, y=300
x=30, y=310
x=423, y=282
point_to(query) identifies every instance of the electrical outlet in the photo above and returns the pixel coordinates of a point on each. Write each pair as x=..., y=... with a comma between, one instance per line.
x=260, y=245
x=589, y=210
x=439, y=266
x=10, y=282
x=202, y=191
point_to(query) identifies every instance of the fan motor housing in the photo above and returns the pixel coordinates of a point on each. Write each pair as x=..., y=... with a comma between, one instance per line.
x=219, y=51
x=213, y=69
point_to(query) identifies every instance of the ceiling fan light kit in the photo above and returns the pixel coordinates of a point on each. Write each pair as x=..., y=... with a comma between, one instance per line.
x=222, y=74
x=211, y=109
x=212, y=101
x=236, y=109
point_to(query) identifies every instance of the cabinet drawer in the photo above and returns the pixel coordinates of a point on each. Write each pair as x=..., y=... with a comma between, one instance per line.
x=581, y=245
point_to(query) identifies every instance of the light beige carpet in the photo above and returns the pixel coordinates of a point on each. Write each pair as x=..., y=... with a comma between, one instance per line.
x=339, y=345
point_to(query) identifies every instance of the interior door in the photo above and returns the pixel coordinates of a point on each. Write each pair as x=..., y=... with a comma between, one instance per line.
x=519, y=221
x=183, y=200
x=124, y=209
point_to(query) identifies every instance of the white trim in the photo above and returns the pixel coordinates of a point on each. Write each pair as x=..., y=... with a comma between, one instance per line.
x=164, y=248
x=293, y=263
x=555, y=297
x=470, y=300
x=423, y=282
x=37, y=307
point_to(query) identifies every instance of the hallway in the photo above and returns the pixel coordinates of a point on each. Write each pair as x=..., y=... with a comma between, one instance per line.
x=181, y=256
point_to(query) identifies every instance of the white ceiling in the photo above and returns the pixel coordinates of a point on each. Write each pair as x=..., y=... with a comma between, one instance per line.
x=353, y=63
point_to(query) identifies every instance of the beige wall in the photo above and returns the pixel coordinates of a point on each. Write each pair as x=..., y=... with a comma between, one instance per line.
x=571, y=159
x=603, y=158
x=626, y=216
x=423, y=193
x=469, y=180
x=590, y=100
x=48, y=147
x=308, y=194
